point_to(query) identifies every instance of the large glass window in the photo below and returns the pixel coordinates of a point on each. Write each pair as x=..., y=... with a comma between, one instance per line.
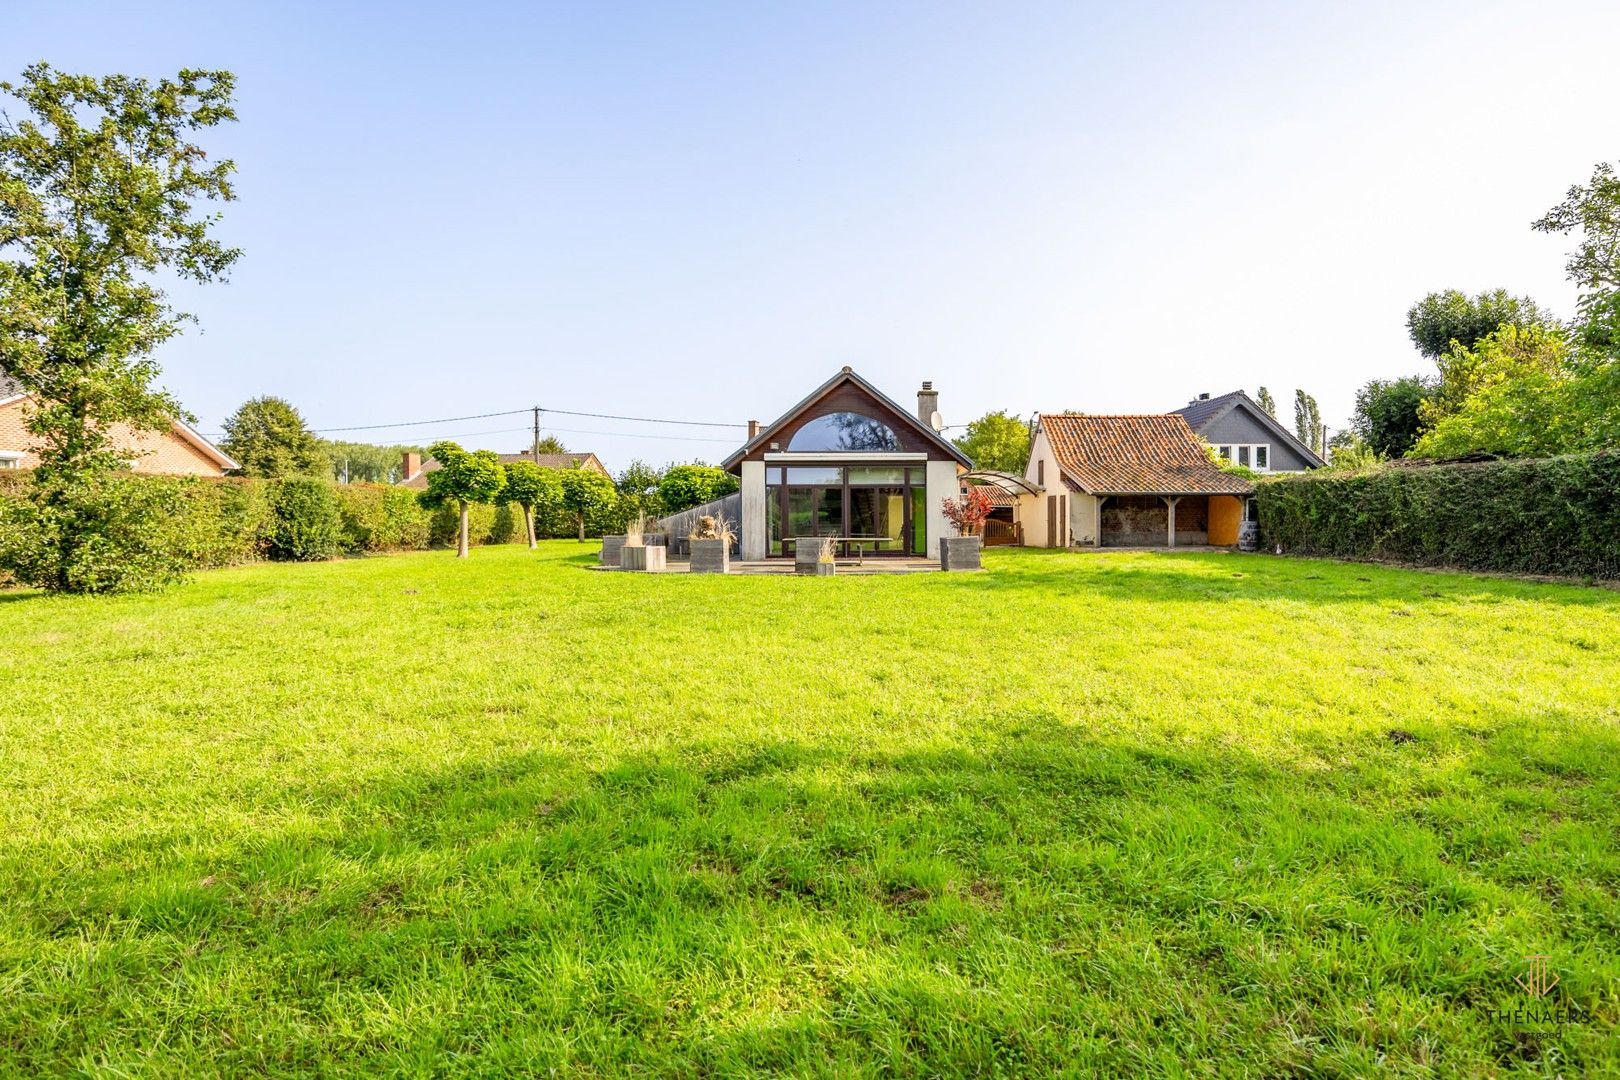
x=880, y=508
x=844, y=431
x=807, y=476
x=879, y=474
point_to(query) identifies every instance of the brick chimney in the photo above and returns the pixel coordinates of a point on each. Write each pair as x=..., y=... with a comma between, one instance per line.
x=411, y=463
x=927, y=403
x=753, y=430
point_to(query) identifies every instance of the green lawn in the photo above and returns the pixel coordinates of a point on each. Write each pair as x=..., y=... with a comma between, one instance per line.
x=1134, y=814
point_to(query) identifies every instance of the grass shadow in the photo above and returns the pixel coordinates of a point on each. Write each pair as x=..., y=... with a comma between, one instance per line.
x=1033, y=898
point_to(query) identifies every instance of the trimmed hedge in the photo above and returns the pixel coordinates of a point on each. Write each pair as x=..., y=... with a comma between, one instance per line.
x=1528, y=516
x=212, y=522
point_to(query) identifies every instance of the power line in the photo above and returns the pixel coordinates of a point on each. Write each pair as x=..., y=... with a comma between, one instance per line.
x=420, y=423
x=515, y=412
x=639, y=435
x=644, y=419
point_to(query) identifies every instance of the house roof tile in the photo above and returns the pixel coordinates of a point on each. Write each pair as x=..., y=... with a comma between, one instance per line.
x=1135, y=455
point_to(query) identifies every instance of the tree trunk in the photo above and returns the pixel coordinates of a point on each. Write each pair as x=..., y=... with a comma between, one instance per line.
x=582, y=528
x=528, y=525
x=461, y=541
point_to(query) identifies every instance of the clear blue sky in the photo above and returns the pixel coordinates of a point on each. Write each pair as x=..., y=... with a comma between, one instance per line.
x=699, y=211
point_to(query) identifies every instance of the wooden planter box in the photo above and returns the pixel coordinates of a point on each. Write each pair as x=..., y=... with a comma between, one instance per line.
x=711, y=556
x=611, y=546
x=961, y=553
x=644, y=557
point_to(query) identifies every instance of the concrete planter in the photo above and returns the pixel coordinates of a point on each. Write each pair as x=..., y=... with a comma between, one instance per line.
x=711, y=556
x=960, y=552
x=648, y=558
x=806, y=552
x=611, y=546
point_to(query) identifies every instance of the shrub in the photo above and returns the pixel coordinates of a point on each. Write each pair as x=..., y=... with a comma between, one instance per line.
x=102, y=533
x=1556, y=515
x=308, y=525
x=377, y=517
x=685, y=486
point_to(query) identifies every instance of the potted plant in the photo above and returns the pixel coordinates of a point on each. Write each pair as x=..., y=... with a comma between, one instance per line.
x=813, y=556
x=967, y=514
x=637, y=554
x=711, y=538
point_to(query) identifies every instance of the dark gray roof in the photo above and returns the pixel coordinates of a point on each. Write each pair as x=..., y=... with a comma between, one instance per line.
x=1201, y=413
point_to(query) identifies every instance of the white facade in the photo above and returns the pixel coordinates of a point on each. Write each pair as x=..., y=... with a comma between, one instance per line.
x=942, y=485
x=752, y=541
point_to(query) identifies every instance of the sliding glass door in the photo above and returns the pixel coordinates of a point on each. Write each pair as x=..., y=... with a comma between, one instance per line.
x=877, y=508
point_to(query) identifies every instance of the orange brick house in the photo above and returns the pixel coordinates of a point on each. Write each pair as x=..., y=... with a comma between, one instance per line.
x=180, y=451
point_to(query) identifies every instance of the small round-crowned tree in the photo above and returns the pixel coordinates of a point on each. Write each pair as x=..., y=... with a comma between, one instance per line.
x=463, y=478
x=530, y=486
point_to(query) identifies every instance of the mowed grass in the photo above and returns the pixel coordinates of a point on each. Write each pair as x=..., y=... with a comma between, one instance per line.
x=1122, y=814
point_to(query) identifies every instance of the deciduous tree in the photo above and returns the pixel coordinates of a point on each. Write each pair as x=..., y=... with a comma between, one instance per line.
x=268, y=438
x=1308, y=421
x=530, y=486
x=585, y=494
x=685, y=486
x=1388, y=416
x=997, y=441
x=1267, y=402
x=1451, y=316
x=463, y=478
x=102, y=193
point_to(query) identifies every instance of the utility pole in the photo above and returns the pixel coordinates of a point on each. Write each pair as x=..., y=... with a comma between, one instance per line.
x=534, y=447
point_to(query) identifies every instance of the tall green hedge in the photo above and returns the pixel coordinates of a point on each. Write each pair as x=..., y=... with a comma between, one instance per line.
x=1529, y=516
x=214, y=522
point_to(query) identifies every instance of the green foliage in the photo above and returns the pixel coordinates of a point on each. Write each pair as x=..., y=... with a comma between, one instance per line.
x=538, y=491
x=1523, y=393
x=99, y=198
x=588, y=497
x=549, y=444
x=1308, y=421
x=1538, y=516
x=998, y=441
x=308, y=525
x=1267, y=402
x=1228, y=466
x=98, y=532
x=476, y=477
x=378, y=518
x=220, y=522
x=269, y=439
x=685, y=486
x=366, y=463
x=1595, y=211
x=1388, y=416
x=1349, y=452
x=638, y=490
x=530, y=485
x=1441, y=319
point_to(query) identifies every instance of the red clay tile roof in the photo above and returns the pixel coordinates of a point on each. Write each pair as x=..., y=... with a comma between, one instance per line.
x=997, y=496
x=1135, y=455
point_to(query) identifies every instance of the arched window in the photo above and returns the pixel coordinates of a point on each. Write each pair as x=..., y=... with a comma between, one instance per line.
x=844, y=432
